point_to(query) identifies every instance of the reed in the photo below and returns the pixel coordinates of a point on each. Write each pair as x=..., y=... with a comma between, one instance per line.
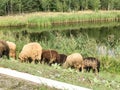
x=67, y=44
x=50, y=19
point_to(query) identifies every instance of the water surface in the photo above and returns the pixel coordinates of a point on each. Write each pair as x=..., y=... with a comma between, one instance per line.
x=106, y=35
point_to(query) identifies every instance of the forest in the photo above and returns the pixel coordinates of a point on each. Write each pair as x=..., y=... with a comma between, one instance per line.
x=8, y=7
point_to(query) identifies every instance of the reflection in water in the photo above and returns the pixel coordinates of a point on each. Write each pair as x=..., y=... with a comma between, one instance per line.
x=100, y=34
x=107, y=38
x=103, y=51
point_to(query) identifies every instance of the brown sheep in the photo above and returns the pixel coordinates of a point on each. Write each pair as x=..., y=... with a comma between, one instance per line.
x=91, y=63
x=61, y=59
x=4, y=49
x=31, y=52
x=49, y=56
x=74, y=61
x=12, y=47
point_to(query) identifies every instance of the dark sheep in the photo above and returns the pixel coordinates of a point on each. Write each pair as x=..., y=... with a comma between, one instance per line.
x=4, y=49
x=61, y=59
x=49, y=56
x=91, y=63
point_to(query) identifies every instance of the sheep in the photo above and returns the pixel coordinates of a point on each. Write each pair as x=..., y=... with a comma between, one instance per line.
x=49, y=56
x=74, y=61
x=61, y=59
x=4, y=49
x=31, y=52
x=12, y=47
x=91, y=63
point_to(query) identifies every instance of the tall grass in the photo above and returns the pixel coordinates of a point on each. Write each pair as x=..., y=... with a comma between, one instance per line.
x=51, y=19
x=67, y=44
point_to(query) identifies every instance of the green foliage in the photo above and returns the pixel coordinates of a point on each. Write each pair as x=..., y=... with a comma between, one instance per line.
x=74, y=5
x=117, y=4
x=110, y=4
x=23, y=6
x=68, y=43
x=46, y=4
x=94, y=4
x=103, y=80
x=56, y=6
x=84, y=4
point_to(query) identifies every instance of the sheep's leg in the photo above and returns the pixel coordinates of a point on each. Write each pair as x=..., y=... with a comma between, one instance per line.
x=89, y=69
x=82, y=69
x=36, y=61
x=98, y=69
x=42, y=61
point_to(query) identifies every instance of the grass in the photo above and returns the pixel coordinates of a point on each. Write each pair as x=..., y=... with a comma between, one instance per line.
x=75, y=26
x=69, y=42
x=104, y=80
x=48, y=19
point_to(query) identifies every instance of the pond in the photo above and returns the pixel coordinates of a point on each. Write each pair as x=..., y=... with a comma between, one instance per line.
x=90, y=39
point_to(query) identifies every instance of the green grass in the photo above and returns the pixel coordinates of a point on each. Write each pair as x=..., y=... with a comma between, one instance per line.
x=108, y=78
x=52, y=19
x=67, y=43
x=104, y=80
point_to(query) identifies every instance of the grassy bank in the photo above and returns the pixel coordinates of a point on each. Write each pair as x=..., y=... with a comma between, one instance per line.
x=67, y=43
x=45, y=19
x=104, y=80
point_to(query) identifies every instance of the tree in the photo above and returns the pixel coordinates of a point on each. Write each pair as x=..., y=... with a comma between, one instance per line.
x=17, y=6
x=83, y=4
x=46, y=5
x=56, y=5
x=117, y=4
x=94, y=4
x=75, y=5
x=23, y=6
x=107, y=4
x=110, y=4
x=3, y=7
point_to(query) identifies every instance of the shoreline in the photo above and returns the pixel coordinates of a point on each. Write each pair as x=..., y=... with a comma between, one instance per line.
x=46, y=19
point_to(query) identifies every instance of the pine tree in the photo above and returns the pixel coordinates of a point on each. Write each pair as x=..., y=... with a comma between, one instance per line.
x=94, y=4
